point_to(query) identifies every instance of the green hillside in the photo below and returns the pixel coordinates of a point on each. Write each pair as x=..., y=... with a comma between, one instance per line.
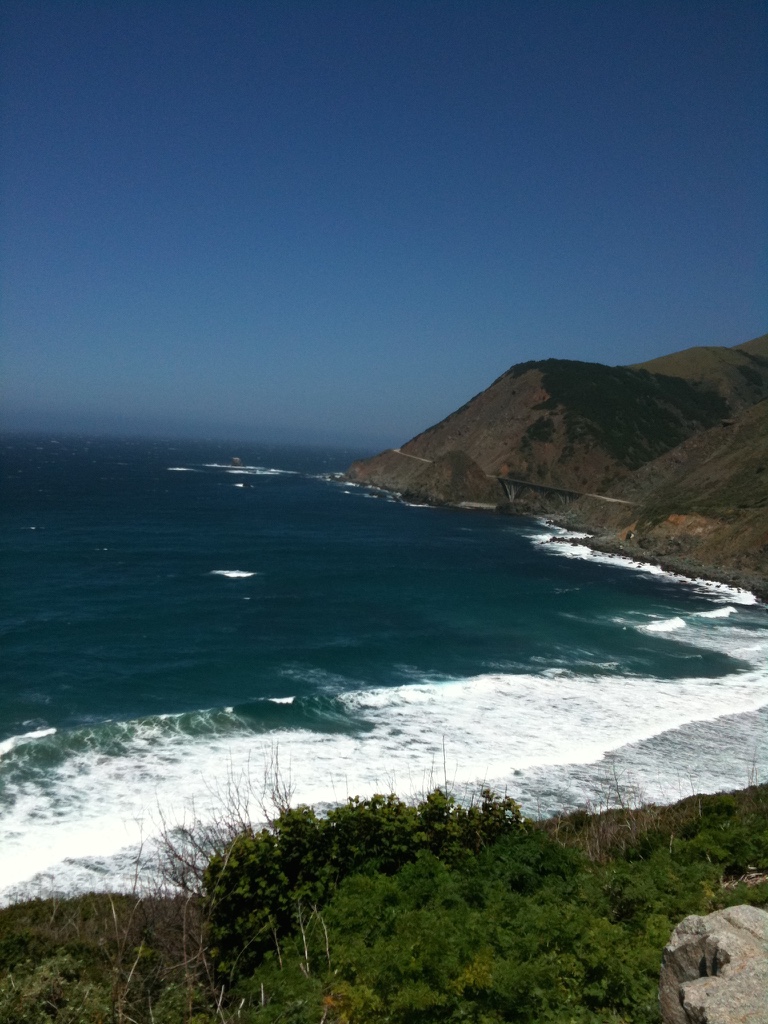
x=739, y=374
x=719, y=474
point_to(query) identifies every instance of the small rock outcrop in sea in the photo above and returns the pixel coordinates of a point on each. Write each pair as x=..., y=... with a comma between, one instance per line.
x=715, y=969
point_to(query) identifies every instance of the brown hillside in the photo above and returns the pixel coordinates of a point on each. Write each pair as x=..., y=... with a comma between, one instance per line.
x=706, y=498
x=569, y=424
x=683, y=438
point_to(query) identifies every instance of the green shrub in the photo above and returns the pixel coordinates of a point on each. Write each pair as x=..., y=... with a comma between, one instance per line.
x=258, y=886
x=520, y=929
x=58, y=987
x=542, y=429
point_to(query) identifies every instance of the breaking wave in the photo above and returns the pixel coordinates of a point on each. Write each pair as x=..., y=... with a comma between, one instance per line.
x=544, y=737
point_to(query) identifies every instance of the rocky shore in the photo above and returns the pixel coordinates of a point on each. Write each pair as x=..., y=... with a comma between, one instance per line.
x=682, y=546
x=686, y=565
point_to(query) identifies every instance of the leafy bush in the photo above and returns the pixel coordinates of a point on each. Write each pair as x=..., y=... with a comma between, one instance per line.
x=258, y=887
x=522, y=929
x=56, y=987
x=101, y=957
x=542, y=429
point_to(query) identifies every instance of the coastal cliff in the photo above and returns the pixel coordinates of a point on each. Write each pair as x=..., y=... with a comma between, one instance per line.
x=678, y=447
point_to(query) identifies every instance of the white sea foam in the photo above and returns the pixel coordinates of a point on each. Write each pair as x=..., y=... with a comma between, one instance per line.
x=708, y=631
x=232, y=574
x=364, y=490
x=513, y=730
x=6, y=746
x=559, y=541
x=182, y=469
x=665, y=625
x=281, y=700
x=251, y=470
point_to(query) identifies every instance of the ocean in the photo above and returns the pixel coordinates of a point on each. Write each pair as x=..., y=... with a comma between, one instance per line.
x=173, y=624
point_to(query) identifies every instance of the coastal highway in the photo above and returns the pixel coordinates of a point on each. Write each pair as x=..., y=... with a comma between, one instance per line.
x=505, y=480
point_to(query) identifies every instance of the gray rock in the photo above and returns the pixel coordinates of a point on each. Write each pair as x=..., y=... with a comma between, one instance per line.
x=715, y=969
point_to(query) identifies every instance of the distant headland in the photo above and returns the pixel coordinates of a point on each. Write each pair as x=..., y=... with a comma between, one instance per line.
x=665, y=460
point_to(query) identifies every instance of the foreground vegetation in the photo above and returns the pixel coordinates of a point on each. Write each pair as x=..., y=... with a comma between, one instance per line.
x=383, y=911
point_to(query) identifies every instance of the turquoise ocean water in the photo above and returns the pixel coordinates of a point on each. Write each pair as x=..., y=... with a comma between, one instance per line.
x=171, y=622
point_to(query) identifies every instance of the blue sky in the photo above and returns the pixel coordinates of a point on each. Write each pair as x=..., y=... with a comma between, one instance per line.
x=337, y=221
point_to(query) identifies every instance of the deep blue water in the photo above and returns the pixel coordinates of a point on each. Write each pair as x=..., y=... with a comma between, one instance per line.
x=173, y=617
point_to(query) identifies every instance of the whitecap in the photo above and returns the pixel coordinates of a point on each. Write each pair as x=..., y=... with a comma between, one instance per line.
x=665, y=625
x=717, y=613
x=6, y=746
x=232, y=574
x=252, y=470
x=498, y=728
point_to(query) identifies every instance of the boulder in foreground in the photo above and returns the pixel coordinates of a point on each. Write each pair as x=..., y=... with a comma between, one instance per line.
x=715, y=969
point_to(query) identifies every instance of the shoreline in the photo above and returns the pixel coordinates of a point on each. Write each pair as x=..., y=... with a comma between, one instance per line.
x=686, y=566
x=604, y=541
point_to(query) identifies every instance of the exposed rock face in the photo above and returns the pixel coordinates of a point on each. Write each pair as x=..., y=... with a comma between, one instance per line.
x=450, y=478
x=715, y=969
